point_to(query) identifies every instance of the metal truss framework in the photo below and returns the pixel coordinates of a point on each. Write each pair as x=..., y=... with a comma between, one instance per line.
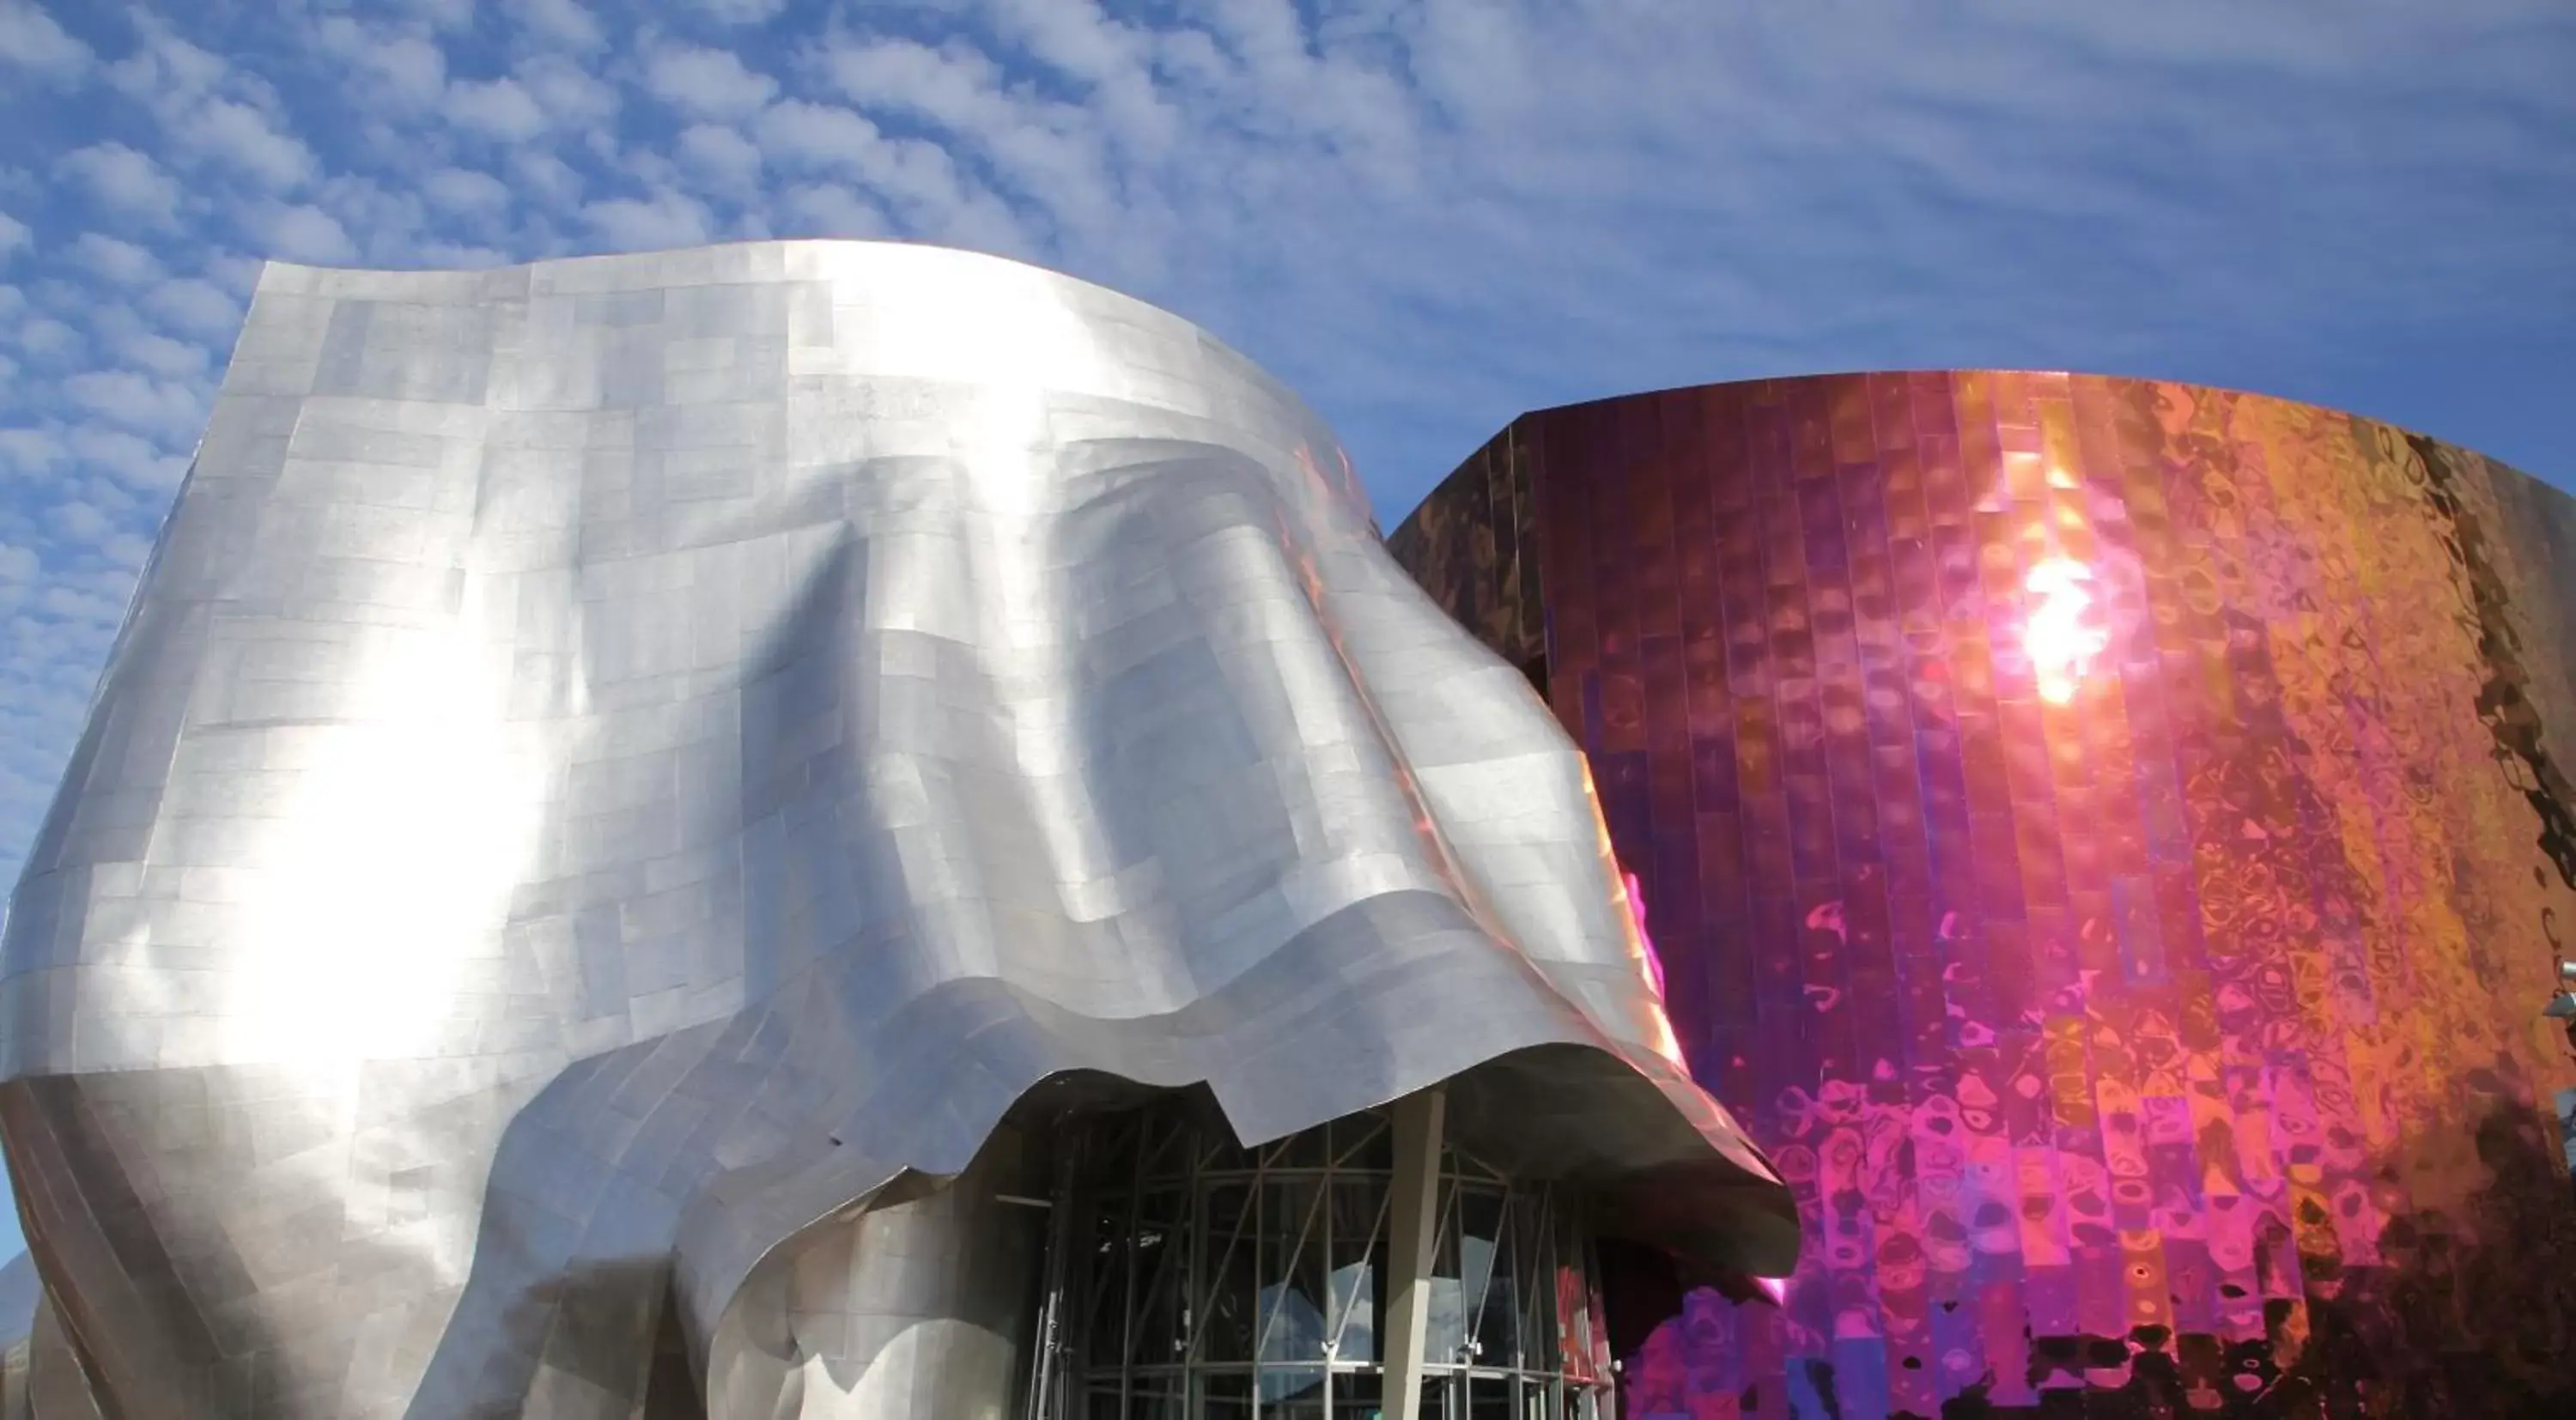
x=1210, y=1280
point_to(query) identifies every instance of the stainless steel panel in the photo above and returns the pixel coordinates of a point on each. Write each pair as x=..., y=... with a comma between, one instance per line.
x=615, y=760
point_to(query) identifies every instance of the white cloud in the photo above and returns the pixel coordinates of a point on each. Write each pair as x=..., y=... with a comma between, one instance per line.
x=547, y=177
x=383, y=219
x=32, y=453
x=569, y=96
x=444, y=14
x=109, y=320
x=194, y=305
x=46, y=337
x=458, y=256
x=1046, y=152
x=137, y=463
x=81, y=522
x=242, y=136
x=135, y=401
x=720, y=155
x=124, y=179
x=302, y=232
x=917, y=181
x=498, y=109
x=904, y=76
x=831, y=210
x=212, y=114
x=117, y=260
x=815, y=136
x=233, y=271
x=545, y=91
x=563, y=21
x=1077, y=39
x=708, y=82
x=29, y=39
x=165, y=69
x=160, y=354
x=13, y=235
x=666, y=219
x=406, y=67
x=97, y=610
x=739, y=12
x=18, y=564
x=463, y=191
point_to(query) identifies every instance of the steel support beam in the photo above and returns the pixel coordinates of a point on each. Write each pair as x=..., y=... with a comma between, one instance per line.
x=1413, y=1242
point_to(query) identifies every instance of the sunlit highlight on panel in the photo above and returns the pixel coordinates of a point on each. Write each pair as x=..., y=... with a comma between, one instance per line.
x=2061, y=637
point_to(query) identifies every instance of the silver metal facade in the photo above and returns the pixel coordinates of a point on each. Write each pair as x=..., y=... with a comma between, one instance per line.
x=617, y=764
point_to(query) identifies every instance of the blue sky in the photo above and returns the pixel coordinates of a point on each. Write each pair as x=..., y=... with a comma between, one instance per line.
x=1427, y=215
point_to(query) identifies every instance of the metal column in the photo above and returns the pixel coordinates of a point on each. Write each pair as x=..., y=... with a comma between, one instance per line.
x=1413, y=1241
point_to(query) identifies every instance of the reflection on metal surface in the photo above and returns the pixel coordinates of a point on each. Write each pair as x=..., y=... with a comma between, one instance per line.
x=1645, y=938
x=2147, y=1024
x=914, y=1307
x=2059, y=637
x=615, y=762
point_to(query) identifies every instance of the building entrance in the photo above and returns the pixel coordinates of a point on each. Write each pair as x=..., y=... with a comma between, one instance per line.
x=1192, y=1279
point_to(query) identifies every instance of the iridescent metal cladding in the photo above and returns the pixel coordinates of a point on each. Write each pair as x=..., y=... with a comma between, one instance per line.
x=616, y=760
x=2113, y=840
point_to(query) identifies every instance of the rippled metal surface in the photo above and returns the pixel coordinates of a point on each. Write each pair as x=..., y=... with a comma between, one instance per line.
x=617, y=760
x=2152, y=806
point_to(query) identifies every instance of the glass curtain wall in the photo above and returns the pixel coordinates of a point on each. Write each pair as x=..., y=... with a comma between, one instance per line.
x=1207, y=1280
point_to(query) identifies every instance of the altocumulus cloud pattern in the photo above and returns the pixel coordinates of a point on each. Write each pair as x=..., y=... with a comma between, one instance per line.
x=616, y=761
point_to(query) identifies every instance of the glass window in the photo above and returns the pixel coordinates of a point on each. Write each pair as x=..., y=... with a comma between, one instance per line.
x=1242, y=1279
x=1218, y=1153
x=1485, y=1283
x=1356, y=1282
x=1292, y=1393
x=1355, y=1395
x=1292, y=1272
x=1534, y=1245
x=1574, y=1344
x=1161, y=1277
x=1154, y=1398
x=1573, y=1301
x=1226, y=1290
x=1302, y=1150
x=1363, y=1141
x=1225, y=1395
x=1444, y=1332
x=1103, y=1320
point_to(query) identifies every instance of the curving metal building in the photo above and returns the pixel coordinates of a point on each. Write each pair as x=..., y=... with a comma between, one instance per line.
x=827, y=829
x=2112, y=841
x=817, y=829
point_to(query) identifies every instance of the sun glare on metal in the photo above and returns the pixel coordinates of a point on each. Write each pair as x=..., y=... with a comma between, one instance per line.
x=2060, y=638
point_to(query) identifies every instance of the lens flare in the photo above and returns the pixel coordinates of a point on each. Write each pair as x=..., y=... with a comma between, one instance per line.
x=2060, y=640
